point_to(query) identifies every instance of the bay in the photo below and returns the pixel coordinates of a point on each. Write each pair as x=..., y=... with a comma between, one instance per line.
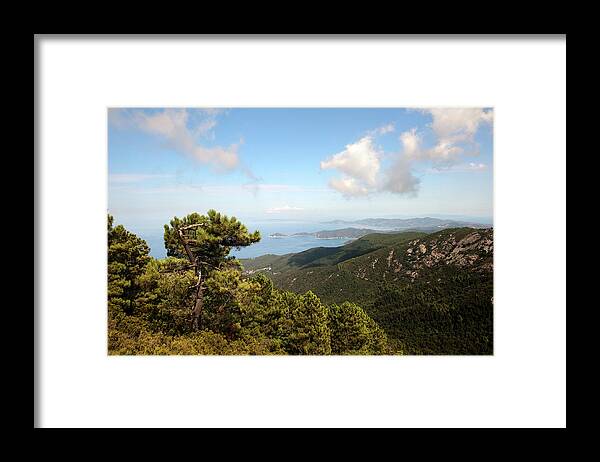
x=267, y=245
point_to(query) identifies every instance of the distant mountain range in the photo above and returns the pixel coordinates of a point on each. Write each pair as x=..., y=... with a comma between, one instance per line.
x=398, y=224
x=357, y=229
x=346, y=233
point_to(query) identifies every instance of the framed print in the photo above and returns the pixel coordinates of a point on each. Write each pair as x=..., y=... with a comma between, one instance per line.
x=300, y=231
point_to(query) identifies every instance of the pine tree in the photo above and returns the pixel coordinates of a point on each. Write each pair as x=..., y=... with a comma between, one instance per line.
x=309, y=334
x=128, y=256
x=206, y=240
x=354, y=332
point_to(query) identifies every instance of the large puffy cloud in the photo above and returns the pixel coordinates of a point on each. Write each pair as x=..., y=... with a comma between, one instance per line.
x=400, y=179
x=359, y=161
x=175, y=127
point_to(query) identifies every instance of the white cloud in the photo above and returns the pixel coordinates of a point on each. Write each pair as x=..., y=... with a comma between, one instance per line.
x=444, y=152
x=454, y=131
x=360, y=162
x=221, y=159
x=174, y=126
x=411, y=143
x=285, y=208
x=384, y=129
x=454, y=128
x=389, y=128
x=205, y=127
x=400, y=179
x=458, y=124
x=349, y=187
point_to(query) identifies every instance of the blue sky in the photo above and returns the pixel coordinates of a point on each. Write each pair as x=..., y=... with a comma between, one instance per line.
x=298, y=164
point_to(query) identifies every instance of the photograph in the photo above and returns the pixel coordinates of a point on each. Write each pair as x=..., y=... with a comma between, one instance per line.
x=300, y=231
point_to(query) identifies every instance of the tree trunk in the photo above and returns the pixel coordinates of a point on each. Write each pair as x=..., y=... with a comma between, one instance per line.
x=198, y=305
x=198, y=300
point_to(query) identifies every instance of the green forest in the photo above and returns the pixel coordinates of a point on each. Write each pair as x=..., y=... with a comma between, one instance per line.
x=197, y=302
x=382, y=294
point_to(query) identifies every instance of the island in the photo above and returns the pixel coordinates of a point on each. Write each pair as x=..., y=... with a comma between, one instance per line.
x=278, y=235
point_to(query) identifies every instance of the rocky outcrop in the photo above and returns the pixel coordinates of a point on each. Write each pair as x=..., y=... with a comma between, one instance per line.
x=473, y=250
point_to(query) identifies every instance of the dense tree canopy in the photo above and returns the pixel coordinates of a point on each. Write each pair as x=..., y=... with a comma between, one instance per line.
x=128, y=256
x=210, y=237
x=206, y=240
x=353, y=331
x=151, y=302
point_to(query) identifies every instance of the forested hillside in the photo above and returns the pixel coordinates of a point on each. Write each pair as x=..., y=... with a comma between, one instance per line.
x=431, y=293
x=196, y=301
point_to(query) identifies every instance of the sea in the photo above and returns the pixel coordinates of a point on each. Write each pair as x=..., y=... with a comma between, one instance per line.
x=277, y=245
x=266, y=245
